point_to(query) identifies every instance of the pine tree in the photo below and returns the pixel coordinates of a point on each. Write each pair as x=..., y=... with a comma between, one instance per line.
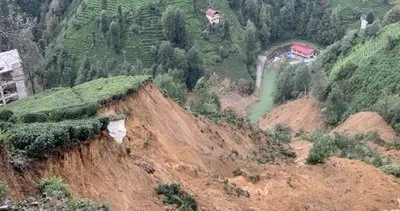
x=114, y=35
x=370, y=17
x=104, y=4
x=174, y=27
x=120, y=17
x=195, y=69
x=336, y=105
x=265, y=21
x=104, y=25
x=252, y=43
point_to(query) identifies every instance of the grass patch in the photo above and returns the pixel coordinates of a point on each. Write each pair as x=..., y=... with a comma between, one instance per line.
x=3, y=191
x=325, y=146
x=174, y=195
x=54, y=187
x=72, y=103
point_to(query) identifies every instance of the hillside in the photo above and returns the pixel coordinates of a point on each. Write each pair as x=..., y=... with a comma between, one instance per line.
x=301, y=114
x=80, y=33
x=200, y=156
x=365, y=77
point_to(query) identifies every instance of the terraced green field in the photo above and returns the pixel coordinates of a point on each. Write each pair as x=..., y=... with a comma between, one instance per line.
x=79, y=40
x=99, y=90
x=76, y=34
x=376, y=73
x=349, y=10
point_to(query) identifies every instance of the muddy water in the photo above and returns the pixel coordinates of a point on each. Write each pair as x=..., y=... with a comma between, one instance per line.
x=266, y=102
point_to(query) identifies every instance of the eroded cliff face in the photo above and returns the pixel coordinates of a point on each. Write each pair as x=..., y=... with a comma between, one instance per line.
x=165, y=143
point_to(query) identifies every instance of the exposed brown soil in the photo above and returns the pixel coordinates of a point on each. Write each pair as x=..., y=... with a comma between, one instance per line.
x=364, y=122
x=301, y=114
x=237, y=102
x=200, y=156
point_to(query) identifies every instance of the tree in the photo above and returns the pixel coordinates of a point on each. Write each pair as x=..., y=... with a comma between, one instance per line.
x=335, y=106
x=265, y=21
x=83, y=71
x=235, y=4
x=120, y=17
x=174, y=27
x=104, y=25
x=227, y=30
x=392, y=16
x=165, y=57
x=252, y=43
x=246, y=86
x=284, y=88
x=250, y=11
x=302, y=79
x=114, y=35
x=104, y=4
x=176, y=90
x=391, y=42
x=370, y=17
x=373, y=29
x=195, y=69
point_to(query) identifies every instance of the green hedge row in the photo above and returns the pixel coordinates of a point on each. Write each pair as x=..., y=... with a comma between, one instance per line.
x=39, y=138
x=55, y=115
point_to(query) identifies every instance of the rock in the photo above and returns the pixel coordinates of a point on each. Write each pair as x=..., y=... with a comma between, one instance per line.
x=5, y=207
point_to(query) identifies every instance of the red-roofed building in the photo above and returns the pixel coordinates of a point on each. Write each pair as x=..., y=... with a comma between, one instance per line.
x=212, y=16
x=302, y=50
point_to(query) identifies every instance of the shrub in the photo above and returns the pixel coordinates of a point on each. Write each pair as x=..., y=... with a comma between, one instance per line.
x=86, y=205
x=5, y=114
x=391, y=169
x=3, y=191
x=39, y=138
x=74, y=112
x=341, y=146
x=33, y=117
x=207, y=104
x=232, y=118
x=282, y=133
x=246, y=86
x=54, y=187
x=174, y=195
x=232, y=189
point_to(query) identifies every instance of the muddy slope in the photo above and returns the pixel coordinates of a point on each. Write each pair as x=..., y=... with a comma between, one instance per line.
x=300, y=114
x=166, y=143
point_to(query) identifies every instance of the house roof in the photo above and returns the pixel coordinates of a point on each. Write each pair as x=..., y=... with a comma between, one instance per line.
x=303, y=48
x=211, y=12
x=8, y=58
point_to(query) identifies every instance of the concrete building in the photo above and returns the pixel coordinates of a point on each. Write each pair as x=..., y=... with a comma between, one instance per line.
x=302, y=50
x=364, y=21
x=12, y=78
x=213, y=16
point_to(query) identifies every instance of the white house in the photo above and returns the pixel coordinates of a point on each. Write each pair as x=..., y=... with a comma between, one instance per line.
x=12, y=78
x=364, y=22
x=213, y=16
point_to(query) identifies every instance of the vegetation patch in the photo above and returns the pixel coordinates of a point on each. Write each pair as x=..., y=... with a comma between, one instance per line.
x=39, y=138
x=232, y=189
x=325, y=145
x=3, y=191
x=55, y=195
x=174, y=195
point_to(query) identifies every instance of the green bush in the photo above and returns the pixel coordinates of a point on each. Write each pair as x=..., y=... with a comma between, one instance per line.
x=38, y=138
x=86, y=205
x=174, y=195
x=33, y=117
x=5, y=114
x=3, y=191
x=74, y=112
x=341, y=146
x=54, y=187
x=391, y=169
